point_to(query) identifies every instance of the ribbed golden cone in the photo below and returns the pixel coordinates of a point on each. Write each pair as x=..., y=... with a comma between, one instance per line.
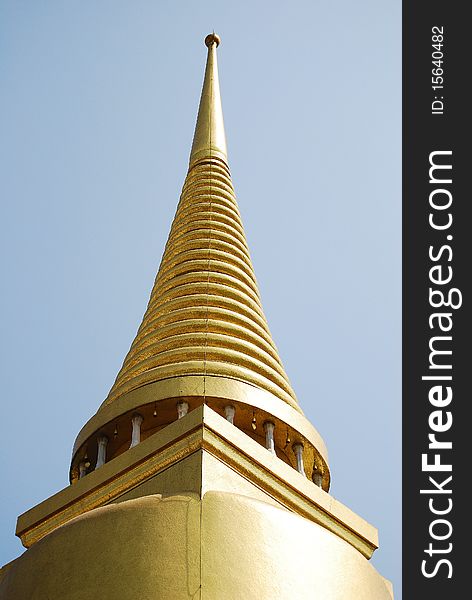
x=205, y=316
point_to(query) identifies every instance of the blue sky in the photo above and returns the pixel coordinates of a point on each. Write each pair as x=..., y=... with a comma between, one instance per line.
x=97, y=111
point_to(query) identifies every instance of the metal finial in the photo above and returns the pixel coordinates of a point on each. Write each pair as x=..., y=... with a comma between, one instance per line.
x=212, y=38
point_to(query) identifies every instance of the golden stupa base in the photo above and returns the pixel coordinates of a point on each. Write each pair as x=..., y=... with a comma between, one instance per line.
x=198, y=453
x=197, y=510
x=222, y=546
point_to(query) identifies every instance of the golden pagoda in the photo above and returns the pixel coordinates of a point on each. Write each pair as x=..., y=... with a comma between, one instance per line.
x=199, y=477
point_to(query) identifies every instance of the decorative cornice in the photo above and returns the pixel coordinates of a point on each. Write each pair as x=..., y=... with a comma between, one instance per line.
x=227, y=388
x=201, y=430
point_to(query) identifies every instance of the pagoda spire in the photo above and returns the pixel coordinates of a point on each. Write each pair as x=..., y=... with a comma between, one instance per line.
x=204, y=339
x=205, y=315
x=209, y=139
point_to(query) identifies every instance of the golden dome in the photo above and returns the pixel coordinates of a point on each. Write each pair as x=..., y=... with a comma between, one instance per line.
x=221, y=546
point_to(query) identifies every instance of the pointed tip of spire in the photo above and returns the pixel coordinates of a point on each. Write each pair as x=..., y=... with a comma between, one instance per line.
x=209, y=139
x=212, y=38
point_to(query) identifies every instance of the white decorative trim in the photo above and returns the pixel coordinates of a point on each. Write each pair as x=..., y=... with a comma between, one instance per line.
x=229, y=413
x=136, y=422
x=182, y=409
x=298, y=450
x=101, y=451
x=269, y=431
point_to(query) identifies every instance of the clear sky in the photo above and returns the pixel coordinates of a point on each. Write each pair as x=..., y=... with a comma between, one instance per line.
x=97, y=109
